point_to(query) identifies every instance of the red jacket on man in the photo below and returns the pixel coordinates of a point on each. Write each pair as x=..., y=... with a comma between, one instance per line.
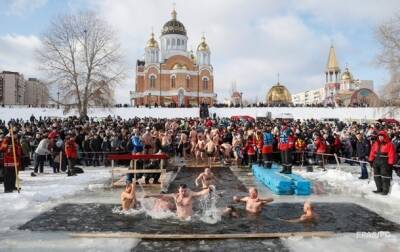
x=320, y=145
x=6, y=147
x=250, y=146
x=386, y=148
x=71, y=149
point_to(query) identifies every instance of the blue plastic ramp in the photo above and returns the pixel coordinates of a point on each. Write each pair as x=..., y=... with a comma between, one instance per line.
x=282, y=184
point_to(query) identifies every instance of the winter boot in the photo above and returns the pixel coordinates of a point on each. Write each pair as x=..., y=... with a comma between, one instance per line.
x=288, y=170
x=378, y=182
x=284, y=168
x=385, y=186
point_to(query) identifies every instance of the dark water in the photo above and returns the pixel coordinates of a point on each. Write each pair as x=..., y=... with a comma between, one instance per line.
x=336, y=217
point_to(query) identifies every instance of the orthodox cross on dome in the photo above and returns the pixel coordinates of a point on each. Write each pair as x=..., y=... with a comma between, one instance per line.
x=174, y=11
x=278, y=78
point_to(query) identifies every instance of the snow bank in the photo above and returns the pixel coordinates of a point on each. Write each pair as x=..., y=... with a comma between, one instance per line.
x=342, y=182
x=297, y=112
x=344, y=242
x=39, y=193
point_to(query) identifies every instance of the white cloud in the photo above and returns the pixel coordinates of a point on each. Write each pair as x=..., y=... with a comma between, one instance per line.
x=251, y=41
x=347, y=12
x=21, y=7
x=17, y=53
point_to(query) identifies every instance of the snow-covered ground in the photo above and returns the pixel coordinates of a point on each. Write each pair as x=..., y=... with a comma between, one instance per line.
x=8, y=113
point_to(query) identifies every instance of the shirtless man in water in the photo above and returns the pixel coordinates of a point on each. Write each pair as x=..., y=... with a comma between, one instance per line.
x=128, y=197
x=206, y=178
x=183, y=200
x=308, y=216
x=254, y=204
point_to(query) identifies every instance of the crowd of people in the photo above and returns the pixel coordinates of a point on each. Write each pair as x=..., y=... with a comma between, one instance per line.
x=66, y=142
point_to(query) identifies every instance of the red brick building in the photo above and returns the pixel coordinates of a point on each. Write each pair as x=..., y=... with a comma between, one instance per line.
x=170, y=74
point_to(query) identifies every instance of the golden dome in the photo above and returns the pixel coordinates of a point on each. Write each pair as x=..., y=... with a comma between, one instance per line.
x=278, y=94
x=346, y=76
x=152, y=43
x=179, y=66
x=203, y=45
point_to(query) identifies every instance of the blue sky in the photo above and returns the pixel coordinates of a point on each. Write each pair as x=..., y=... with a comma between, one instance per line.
x=250, y=41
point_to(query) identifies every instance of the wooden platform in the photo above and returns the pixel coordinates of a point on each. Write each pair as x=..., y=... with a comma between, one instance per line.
x=194, y=164
x=199, y=236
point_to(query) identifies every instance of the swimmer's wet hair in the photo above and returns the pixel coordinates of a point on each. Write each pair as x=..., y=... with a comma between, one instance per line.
x=183, y=186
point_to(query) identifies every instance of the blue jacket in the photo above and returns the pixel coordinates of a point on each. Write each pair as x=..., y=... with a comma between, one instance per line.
x=268, y=138
x=137, y=144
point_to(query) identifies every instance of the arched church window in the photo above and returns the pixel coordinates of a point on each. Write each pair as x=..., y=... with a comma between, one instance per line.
x=178, y=42
x=152, y=81
x=205, y=83
x=168, y=43
x=173, y=82
x=187, y=82
x=173, y=43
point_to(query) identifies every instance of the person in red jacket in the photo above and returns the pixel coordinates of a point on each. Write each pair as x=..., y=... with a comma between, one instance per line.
x=320, y=148
x=285, y=146
x=250, y=148
x=9, y=164
x=71, y=151
x=382, y=157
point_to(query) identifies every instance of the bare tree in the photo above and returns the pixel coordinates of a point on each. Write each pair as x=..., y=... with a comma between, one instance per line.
x=81, y=54
x=388, y=35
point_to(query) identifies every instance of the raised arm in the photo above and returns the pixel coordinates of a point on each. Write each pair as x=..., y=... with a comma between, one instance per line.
x=267, y=200
x=201, y=193
x=197, y=179
x=237, y=199
x=133, y=191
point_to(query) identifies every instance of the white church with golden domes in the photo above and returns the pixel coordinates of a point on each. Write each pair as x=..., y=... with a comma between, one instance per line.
x=340, y=89
x=172, y=75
